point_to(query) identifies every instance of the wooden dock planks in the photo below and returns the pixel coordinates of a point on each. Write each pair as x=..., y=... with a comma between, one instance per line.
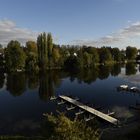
x=90, y=110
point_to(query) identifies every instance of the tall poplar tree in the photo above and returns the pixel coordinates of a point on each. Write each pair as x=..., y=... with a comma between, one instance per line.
x=50, y=47
x=42, y=50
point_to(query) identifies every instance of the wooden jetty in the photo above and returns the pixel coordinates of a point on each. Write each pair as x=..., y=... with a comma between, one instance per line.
x=90, y=110
x=71, y=107
x=62, y=102
x=79, y=112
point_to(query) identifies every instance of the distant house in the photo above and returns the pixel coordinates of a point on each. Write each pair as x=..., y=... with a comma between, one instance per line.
x=19, y=70
x=75, y=54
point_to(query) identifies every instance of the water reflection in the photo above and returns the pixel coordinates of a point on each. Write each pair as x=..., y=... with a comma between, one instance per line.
x=33, y=80
x=16, y=83
x=44, y=85
x=130, y=68
x=90, y=75
x=2, y=77
x=48, y=81
x=116, y=69
x=87, y=75
x=104, y=71
x=122, y=113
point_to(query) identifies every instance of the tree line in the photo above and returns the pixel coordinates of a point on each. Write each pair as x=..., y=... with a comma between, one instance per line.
x=44, y=54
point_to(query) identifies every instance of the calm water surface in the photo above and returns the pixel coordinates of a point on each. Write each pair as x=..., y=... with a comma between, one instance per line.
x=25, y=97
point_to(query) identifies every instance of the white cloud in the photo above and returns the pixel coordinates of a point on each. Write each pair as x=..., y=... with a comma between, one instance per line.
x=123, y=37
x=10, y=31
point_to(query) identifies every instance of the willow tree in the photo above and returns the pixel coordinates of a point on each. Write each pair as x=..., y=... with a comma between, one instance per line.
x=42, y=50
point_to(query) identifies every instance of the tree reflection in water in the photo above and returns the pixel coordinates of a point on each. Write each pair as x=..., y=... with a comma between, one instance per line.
x=116, y=69
x=104, y=71
x=16, y=83
x=33, y=80
x=48, y=81
x=130, y=69
x=87, y=75
x=2, y=77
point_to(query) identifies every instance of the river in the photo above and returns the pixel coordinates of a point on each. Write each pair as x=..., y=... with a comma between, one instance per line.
x=25, y=97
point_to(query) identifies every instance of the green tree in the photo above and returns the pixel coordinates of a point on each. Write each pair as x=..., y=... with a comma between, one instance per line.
x=94, y=53
x=123, y=55
x=31, y=46
x=80, y=57
x=64, y=53
x=50, y=48
x=42, y=50
x=71, y=63
x=105, y=55
x=131, y=53
x=31, y=60
x=32, y=63
x=87, y=59
x=1, y=49
x=62, y=128
x=14, y=56
x=56, y=57
x=1, y=61
x=116, y=55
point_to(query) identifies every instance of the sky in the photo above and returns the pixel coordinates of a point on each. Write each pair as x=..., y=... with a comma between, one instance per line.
x=96, y=23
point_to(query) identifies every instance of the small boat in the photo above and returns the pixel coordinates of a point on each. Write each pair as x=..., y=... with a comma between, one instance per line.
x=124, y=86
x=134, y=89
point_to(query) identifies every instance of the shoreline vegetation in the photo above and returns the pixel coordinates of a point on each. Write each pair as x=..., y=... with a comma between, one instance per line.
x=44, y=54
x=61, y=127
